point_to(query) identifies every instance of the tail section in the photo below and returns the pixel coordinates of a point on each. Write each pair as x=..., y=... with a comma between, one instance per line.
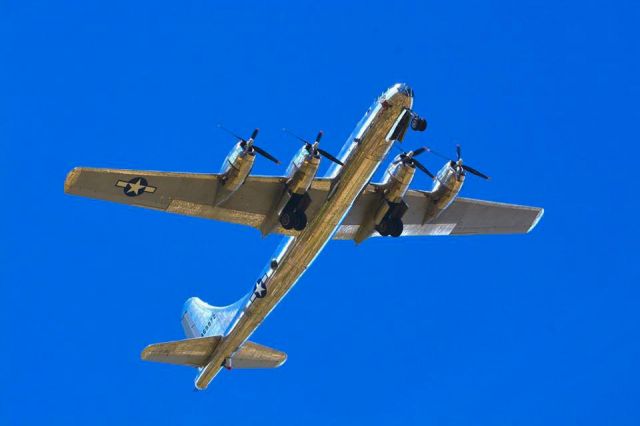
x=205, y=327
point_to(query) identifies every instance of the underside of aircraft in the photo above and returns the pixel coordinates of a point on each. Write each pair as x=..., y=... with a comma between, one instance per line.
x=309, y=211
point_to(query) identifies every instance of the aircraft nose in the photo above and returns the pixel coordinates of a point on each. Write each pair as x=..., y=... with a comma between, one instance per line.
x=404, y=89
x=400, y=93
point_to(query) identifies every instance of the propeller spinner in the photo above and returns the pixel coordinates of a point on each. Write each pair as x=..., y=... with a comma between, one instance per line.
x=457, y=164
x=313, y=148
x=248, y=144
x=409, y=159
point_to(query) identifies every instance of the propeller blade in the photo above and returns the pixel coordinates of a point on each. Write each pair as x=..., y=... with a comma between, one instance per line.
x=296, y=136
x=320, y=134
x=329, y=156
x=419, y=151
x=265, y=154
x=475, y=172
x=423, y=168
x=221, y=127
x=254, y=134
x=436, y=153
x=459, y=152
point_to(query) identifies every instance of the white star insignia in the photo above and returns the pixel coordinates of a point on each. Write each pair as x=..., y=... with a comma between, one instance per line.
x=261, y=290
x=135, y=187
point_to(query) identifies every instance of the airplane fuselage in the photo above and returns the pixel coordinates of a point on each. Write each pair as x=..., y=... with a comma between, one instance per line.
x=364, y=150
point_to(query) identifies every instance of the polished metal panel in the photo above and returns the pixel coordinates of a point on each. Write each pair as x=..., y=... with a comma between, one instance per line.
x=360, y=160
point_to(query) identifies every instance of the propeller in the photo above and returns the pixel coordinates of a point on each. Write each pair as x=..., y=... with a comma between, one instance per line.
x=313, y=147
x=408, y=158
x=458, y=163
x=248, y=144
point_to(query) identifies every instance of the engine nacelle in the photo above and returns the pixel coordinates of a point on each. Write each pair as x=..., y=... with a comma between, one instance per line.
x=446, y=186
x=396, y=181
x=302, y=170
x=397, y=178
x=237, y=166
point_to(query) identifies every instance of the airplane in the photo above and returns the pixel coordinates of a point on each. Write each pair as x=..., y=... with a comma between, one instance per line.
x=309, y=211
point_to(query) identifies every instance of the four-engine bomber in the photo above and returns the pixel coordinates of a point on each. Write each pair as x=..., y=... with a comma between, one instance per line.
x=344, y=204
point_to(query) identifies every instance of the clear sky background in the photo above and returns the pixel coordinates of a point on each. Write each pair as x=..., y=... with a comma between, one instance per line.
x=494, y=330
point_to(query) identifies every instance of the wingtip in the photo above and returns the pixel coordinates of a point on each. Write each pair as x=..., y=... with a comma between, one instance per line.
x=282, y=358
x=146, y=352
x=536, y=220
x=71, y=179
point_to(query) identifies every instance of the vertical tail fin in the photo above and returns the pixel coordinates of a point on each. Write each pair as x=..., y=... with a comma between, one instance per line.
x=200, y=319
x=206, y=327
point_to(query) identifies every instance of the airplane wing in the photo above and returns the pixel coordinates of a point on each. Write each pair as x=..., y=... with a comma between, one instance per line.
x=478, y=217
x=465, y=216
x=191, y=194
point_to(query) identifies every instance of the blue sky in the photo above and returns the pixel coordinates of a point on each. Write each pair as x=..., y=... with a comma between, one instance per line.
x=535, y=329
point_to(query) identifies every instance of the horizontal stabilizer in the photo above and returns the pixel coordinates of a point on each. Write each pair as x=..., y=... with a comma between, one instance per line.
x=193, y=352
x=197, y=352
x=253, y=355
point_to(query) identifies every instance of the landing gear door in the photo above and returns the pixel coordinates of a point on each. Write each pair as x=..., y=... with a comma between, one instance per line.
x=400, y=127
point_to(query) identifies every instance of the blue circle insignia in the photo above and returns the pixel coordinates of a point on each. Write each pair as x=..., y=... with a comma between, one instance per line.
x=135, y=186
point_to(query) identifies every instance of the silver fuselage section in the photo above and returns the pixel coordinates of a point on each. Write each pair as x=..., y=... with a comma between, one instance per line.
x=364, y=150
